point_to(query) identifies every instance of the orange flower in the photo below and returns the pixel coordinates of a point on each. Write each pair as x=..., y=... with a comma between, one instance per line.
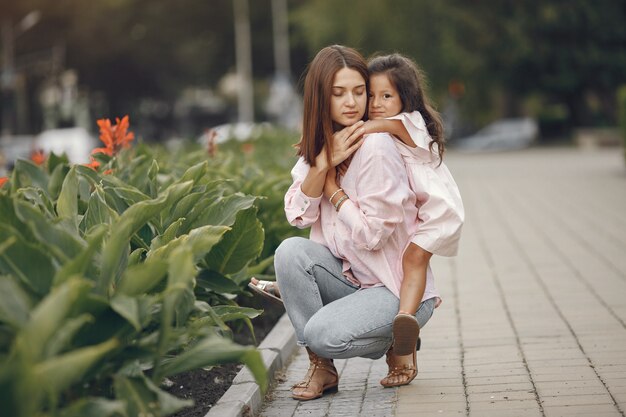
x=93, y=164
x=3, y=181
x=114, y=137
x=38, y=156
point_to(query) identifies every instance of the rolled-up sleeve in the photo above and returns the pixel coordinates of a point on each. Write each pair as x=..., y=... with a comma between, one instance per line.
x=301, y=210
x=383, y=190
x=441, y=212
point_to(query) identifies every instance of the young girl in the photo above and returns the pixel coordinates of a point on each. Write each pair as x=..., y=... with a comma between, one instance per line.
x=398, y=105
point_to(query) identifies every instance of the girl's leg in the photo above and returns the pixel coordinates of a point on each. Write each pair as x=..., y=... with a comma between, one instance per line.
x=401, y=358
x=414, y=266
x=309, y=277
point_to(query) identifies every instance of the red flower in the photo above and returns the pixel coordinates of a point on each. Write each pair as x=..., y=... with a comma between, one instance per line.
x=3, y=181
x=38, y=156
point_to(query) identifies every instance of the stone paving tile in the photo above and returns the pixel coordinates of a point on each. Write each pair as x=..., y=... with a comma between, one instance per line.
x=533, y=321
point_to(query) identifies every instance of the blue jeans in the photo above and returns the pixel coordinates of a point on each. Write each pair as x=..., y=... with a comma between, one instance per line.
x=332, y=316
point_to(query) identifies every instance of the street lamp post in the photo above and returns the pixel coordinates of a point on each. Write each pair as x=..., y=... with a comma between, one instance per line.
x=243, y=52
x=7, y=76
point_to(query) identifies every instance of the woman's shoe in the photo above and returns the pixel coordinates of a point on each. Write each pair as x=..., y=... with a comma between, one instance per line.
x=399, y=374
x=321, y=377
x=268, y=289
x=406, y=333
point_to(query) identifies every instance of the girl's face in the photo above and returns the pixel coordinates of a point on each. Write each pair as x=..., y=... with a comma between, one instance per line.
x=384, y=98
x=348, y=99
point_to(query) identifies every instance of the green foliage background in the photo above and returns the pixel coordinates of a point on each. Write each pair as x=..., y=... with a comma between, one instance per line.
x=549, y=58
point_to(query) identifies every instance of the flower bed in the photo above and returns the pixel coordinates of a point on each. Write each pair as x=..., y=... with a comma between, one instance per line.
x=122, y=274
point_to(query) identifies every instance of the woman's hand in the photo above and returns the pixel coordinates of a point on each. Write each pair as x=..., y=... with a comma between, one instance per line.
x=330, y=184
x=346, y=142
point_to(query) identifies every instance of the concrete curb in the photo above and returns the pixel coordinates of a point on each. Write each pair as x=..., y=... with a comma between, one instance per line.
x=244, y=397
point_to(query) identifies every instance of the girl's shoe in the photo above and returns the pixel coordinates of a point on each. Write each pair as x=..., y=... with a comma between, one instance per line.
x=268, y=289
x=399, y=374
x=321, y=377
x=406, y=333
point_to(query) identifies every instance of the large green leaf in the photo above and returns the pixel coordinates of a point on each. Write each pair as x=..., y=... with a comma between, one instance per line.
x=29, y=262
x=215, y=350
x=80, y=264
x=143, y=277
x=60, y=372
x=239, y=246
x=223, y=211
x=130, y=194
x=62, y=338
x=49, y=315
x=67, y=204
x=168, y=235
x=143, y=398
x=95, y=407
x=58, y=172
x=134, y=309
x=15, y=303
x=26, y=173
x=54, y=236
x=128, y=224
x=98, y=211
x=200, y=241
x=216, y=282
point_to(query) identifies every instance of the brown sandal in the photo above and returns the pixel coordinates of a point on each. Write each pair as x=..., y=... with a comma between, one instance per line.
x=406, y=333
x=407, y=373
x=321, y=377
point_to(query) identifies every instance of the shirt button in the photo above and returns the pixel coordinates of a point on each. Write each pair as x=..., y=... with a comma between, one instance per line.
x=302, y=209
x=306, y=201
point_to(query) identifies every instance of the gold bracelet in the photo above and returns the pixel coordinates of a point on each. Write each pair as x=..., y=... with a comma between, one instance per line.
x=341, y=200
x=333, y=195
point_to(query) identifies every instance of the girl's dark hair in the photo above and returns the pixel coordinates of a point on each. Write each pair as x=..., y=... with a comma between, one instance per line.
x=317, y=125
x=410, y=81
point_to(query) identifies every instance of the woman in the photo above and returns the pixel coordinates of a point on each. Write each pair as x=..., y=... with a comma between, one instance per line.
x=340, y=287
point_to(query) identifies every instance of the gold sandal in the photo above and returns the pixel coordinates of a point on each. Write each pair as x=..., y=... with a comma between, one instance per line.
x=268, y=289
x=321, y=377
x=407, y=373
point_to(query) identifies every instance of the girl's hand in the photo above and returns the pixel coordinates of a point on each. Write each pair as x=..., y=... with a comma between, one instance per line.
x=346, y=142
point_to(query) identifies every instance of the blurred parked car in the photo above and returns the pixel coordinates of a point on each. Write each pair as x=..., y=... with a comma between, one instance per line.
x=75, y=142
x=504, y=134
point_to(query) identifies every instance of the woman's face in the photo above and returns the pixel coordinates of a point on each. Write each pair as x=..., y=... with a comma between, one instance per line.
x=384, y=98
x=348, y=99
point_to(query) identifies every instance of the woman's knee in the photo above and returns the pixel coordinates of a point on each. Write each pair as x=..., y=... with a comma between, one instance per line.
x=288, y=251
x=324, y=339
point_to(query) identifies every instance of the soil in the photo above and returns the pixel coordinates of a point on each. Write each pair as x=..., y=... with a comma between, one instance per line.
x=206, y=387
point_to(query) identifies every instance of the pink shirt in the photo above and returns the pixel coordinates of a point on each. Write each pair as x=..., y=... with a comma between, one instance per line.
x=441, y=213
x=373, y=227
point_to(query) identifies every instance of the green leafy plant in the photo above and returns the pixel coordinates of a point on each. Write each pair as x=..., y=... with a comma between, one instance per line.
x=114, y=278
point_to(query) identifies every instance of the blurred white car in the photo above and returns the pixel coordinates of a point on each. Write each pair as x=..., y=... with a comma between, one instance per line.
x=504, y=134
x=75, y=142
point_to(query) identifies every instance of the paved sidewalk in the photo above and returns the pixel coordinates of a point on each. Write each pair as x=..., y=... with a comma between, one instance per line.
x=533, y=321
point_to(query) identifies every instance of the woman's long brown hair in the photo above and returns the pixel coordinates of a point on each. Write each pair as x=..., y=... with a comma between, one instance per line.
x=407, y=77
x=317, y=125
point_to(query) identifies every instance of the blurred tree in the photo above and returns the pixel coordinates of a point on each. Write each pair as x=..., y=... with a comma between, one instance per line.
x=570, y=53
